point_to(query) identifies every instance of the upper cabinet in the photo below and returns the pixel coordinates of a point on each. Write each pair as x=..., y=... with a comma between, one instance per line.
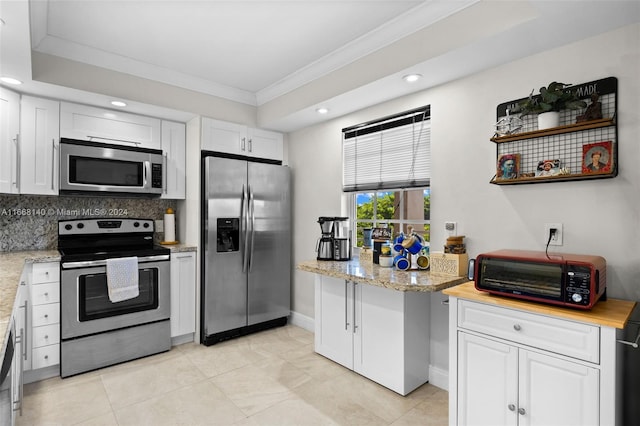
x=9, y=139
x=232, y=138
x=39, y=143
x=174, y=155
x=107, y=126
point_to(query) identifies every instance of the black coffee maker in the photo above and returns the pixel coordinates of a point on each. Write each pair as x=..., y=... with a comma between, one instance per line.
x=324, y=245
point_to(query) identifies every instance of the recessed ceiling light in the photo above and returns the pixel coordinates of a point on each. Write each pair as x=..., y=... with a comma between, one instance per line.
x=410, y=78
x=10, y=80
x=118, y=103
x=322, y=110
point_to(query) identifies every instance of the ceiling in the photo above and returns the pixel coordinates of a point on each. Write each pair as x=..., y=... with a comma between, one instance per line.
x=280, y=59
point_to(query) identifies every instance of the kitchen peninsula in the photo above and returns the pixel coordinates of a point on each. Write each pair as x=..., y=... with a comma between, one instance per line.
x=376, y=320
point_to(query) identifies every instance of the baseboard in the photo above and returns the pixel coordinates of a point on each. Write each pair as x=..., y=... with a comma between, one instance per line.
x=439, y=377
x=180, y=340
x=302, y=321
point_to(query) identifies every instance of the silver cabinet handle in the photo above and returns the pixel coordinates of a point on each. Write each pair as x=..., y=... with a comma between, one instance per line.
x=355, y=324
x=23, y=337
x=242, y=144
x=517, y=327
x=53, y=165
x=511, y=407
x=19, y=155
x=521, y=411
x=346, y=305
x=250, y=145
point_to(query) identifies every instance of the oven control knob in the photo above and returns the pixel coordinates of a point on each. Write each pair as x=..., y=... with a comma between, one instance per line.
x=68, y=227
x=146, y=224
x=80, y=225
x=136, y=224
x=576, y=297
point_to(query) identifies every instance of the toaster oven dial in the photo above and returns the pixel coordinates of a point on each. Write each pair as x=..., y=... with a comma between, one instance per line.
x=576, y=297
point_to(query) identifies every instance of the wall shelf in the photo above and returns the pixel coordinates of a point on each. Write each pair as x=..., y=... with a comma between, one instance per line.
x=569, y=146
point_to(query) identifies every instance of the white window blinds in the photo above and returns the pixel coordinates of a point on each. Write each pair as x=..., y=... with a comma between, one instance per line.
x=391, y=153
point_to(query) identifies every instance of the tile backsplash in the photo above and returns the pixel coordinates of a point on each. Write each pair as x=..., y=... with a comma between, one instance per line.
x=30, y=222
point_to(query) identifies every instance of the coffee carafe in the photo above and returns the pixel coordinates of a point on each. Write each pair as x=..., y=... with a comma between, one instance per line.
x=324, y=245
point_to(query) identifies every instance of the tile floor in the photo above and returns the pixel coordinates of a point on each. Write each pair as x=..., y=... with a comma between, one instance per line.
x=268, y=378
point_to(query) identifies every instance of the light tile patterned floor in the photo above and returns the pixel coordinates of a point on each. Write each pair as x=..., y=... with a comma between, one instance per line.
x=268, y=378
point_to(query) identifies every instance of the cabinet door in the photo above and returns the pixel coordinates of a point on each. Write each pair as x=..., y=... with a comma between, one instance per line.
x=174, y=154
x=183, y=293
x=554, y=391
x=334, y=319
x=9, y=137
x=108, y=126
x=264, y=144
x=39, y=139
x=221, y=136
x=487, y=387
x=378, y=350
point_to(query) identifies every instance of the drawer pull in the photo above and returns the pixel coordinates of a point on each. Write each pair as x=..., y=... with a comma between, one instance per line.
x=517, y=327
x=46, y=315
x=46, y=336
x=511, y=407
x=46, y=357
x=521, y=411
x=46, y=294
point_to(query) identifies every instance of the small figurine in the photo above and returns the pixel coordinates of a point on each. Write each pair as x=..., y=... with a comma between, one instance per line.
x=593, y=111
x=508, y=125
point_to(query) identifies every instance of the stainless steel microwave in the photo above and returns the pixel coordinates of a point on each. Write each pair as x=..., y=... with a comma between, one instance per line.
x=570, y=280
x=98, y=168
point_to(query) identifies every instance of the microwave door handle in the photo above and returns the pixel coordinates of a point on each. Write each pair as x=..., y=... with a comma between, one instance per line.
x=91, y=138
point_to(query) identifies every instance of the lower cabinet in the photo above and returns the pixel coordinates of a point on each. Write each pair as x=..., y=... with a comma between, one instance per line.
x=510, y=367
x=500, y=384
x=183, y=296
x=380, y=333
x=44, y=286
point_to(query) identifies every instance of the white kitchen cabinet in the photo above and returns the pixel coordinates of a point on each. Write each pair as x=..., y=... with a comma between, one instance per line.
x=174, y=147
x=108, y=126
x=9, y=140
x=44, y=338
x=519, y=363
x=232, y=138
x=183, y=295
x=39, y=146
x=380, y=333
x=501, y=384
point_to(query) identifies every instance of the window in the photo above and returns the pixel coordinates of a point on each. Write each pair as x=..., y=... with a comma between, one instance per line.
x=386, y=166
x=400, y=210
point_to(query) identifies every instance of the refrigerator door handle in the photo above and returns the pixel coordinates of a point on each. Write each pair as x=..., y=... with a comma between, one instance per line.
x=244, y=232
x=252, y=213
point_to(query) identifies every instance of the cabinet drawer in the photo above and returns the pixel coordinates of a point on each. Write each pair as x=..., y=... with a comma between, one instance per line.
x=45, y=356
x=46, y=335
x=45, y=293
x=46, y=314
x=564, y=337
x=45, y=273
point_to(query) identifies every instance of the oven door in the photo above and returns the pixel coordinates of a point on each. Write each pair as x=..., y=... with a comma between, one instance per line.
x=84, y=298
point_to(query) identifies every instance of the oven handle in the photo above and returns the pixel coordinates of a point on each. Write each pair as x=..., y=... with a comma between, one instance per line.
x=92, y=263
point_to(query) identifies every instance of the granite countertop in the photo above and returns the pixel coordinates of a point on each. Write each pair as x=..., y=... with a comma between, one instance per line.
x=370, y=273
x=179, y=248
x=11, y=265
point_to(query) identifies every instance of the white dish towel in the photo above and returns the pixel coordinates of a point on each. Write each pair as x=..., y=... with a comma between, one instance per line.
x=122, y=278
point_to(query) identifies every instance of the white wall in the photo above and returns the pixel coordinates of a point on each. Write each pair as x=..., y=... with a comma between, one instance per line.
x=599, y=216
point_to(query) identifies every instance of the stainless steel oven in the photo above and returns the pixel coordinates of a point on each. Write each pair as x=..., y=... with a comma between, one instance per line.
x=96, y=332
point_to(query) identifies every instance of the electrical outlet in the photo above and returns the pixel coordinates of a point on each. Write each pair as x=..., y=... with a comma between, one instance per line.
x=450, y=227
x=556, y=240
x=159, y=225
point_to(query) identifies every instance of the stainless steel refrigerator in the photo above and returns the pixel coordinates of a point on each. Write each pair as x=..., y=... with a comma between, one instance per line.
x=246, y=265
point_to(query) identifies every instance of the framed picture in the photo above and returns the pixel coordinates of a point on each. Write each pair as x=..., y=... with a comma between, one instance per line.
x=508, y=166
x=548, y=168
x=597, y=157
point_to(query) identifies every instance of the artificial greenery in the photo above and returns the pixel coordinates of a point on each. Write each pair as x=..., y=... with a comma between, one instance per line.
x=554, y=97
